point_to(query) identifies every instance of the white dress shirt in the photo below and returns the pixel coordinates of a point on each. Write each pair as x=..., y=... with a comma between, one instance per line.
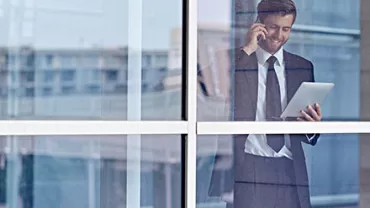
x=256, y=144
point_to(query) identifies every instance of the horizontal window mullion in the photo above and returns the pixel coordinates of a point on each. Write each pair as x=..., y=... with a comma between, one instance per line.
x=49, y=127
x=224, y=128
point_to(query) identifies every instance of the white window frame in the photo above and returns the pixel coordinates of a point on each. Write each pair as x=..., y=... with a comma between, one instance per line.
x=191, y=128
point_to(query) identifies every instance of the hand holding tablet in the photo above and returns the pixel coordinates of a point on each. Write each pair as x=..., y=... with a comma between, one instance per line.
x=307, y=94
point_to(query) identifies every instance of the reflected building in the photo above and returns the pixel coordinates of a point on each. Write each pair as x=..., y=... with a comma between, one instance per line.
x=72, y=83
x=87, y=84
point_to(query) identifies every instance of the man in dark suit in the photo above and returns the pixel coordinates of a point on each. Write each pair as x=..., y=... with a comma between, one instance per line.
x=268, y=170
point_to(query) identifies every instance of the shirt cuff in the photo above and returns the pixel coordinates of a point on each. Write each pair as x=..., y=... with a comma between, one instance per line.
x=310, y=137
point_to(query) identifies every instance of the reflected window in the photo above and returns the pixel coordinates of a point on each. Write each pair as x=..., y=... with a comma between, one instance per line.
x=28, y=76
x=49, y=59
x=161, y=60
x=29, y=92
x=94, y=89
x=111, y=75
x=47, y=91
x=11, y=59
x=66, y=90
x=68, y=60
x=48, y=76
x=96, y=74
x=121, y=88
x=146, y=60
x=68, y=75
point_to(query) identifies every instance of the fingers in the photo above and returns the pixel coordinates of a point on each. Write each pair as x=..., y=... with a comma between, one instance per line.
x=256, y=25
x=306, y=116
x=313, y=113
x=318, y=109
x=260, y=28
x=256, y=34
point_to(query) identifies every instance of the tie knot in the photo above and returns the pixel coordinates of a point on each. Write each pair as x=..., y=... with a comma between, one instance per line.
x=271, y=61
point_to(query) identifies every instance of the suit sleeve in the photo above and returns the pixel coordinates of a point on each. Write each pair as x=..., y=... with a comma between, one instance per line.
x=311, y=138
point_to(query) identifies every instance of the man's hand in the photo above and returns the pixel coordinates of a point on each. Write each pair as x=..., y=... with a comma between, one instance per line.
x=255, y=32
x=314, y=113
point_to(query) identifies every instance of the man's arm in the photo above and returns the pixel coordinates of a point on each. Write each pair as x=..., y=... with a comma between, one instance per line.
x=314, y=115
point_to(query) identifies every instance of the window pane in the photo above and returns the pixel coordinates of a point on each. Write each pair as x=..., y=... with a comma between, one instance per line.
x=326, y=174
x=233, y=81
x=91, y=59
x=90, y=171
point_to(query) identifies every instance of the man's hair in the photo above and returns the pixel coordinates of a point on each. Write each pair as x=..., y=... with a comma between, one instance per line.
x=282, y=7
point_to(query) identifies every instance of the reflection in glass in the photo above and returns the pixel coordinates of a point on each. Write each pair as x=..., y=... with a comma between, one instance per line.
x=333, y=168
x=330, y=40
x=89, y=171
x=72, y=60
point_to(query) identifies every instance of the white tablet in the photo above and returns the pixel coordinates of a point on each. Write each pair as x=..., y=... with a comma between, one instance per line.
x=308, y=93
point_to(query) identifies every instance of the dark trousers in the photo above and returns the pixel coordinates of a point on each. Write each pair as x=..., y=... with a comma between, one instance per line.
x=271, y=185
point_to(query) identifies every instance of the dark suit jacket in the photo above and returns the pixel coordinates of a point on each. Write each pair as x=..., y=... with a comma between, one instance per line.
x=245, y=93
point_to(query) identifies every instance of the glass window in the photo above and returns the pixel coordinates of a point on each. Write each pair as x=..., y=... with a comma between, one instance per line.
x=121, y=62
x=49, y=60
x=96, y=74
x=90, y=171
x=68, y=75
x=111, y=75
x=11, y=59
x=90, y=60
x=68, y=90
x=147, y=60
x=28, y=59
x=47, y=91
x=48, y=76
x=67, y=60
x=327, y=173
x=322, y=45
x=70, y=36
x=28, y=76
x=29, y=92
x=121, y=88
x=93, y=89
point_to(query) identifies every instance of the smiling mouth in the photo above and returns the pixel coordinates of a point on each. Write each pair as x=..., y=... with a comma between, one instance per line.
x=276, y=41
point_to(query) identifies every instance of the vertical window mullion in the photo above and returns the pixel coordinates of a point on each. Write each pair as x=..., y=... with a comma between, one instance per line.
x=190, y=37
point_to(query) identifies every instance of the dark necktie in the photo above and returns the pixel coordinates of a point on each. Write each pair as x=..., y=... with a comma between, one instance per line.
x=273, y=104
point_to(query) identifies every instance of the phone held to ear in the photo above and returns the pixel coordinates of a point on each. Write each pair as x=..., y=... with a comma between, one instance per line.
x=258, y=21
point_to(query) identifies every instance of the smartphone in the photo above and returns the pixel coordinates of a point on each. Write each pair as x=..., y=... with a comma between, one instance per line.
x=258, y=21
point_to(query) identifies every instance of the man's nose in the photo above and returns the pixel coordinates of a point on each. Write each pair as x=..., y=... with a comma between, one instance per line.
x=279, y=34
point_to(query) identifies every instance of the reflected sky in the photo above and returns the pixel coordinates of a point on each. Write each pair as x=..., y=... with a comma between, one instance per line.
x=85, y=23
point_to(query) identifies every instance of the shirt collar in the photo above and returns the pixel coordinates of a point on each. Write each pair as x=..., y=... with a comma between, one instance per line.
x=263, y=55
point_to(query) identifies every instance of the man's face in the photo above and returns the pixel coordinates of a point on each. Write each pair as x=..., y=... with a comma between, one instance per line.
x=278, y=28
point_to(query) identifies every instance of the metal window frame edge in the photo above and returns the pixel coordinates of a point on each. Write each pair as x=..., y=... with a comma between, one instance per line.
x=190, y=41
x=53, y=127
x=251, y=127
